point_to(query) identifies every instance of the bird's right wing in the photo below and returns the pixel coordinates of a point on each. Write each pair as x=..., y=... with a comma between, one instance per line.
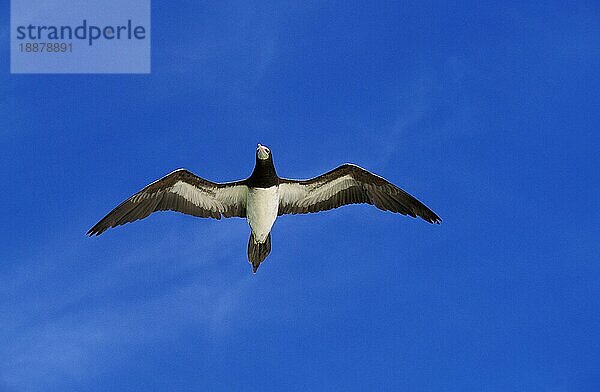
x=180, y=191
x=348, y=184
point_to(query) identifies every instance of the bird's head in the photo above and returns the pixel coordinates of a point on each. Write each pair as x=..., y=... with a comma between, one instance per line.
x=264, y=170
x=263, y=153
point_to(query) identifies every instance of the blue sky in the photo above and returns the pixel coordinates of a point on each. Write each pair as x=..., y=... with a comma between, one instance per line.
x=486, y=112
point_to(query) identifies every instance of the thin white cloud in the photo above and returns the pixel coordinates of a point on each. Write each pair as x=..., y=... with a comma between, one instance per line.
x=408, y=118
x=69, y=336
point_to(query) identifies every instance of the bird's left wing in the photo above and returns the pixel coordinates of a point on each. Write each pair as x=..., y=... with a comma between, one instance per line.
x=180, y=191
x=348, y=184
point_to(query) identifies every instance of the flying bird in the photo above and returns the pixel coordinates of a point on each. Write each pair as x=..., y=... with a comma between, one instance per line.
x=262, y=197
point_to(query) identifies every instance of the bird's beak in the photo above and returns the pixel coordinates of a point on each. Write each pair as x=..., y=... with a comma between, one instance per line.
x=263, y=152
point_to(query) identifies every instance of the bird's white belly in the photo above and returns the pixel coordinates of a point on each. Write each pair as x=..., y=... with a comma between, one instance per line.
x=261, y=210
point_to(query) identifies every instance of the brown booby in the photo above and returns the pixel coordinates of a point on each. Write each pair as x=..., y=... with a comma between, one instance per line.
x=262, y=197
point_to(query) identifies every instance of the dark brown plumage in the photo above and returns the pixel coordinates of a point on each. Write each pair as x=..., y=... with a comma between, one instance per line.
x=159, y=196
x=262, y=197
x=348, y=184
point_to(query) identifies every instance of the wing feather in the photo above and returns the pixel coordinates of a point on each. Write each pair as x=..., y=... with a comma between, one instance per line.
x=180, y=191
x=348, y=184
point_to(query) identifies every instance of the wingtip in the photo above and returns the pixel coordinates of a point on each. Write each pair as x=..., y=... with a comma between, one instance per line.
x=435, y=220
x=93, y=232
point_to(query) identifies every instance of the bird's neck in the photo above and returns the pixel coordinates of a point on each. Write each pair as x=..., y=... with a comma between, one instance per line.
x=264, y=174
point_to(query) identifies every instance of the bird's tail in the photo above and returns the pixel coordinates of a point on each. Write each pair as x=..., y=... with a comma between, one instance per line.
x=258, y=251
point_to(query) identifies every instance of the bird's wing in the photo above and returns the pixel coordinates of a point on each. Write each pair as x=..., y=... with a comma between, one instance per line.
x=180, y=191
x=348, y=184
